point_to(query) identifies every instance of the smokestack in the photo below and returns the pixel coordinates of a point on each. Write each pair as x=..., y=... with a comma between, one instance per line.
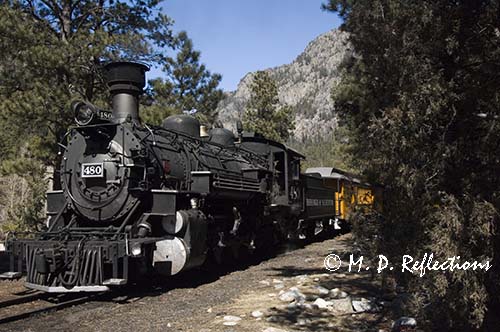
x=126, y=81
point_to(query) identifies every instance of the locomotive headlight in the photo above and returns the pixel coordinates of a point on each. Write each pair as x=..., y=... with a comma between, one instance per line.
x=84, y=112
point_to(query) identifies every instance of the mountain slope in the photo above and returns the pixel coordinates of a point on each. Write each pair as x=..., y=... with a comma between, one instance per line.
x=305, y=84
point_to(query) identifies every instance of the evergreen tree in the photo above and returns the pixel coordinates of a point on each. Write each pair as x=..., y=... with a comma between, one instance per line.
x=421, y=97
x=328, y=150
x=188, y=86
x=263, y=113
x=52, y=53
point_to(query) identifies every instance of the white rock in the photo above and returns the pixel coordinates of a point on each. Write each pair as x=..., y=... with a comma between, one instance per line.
x=303, y=321
x=338, y=294
x=265, y=282
x=292, y=295
x=334, y=290
x=308, y=306
x=322, y=304
x=287, y=297
x=273, y=329
x=230, y=323
x=209, y=310
x=341, y=306
x=257, y=314
x=277, y=281
x=343, y=295
x=279, y=286
x=316, y=279
x=321, y=290
x=302, y=279
x=232, y=318
x=404, y=322
x=364, y=305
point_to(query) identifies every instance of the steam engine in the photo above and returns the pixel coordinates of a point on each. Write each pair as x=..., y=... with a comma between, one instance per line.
x=136, y=198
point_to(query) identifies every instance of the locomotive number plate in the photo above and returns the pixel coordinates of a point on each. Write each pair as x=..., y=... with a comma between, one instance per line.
x=92, y=170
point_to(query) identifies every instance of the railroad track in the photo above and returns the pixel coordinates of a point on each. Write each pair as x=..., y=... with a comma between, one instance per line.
x=27, y=304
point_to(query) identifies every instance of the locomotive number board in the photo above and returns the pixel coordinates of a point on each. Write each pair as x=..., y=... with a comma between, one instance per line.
x=92, y=170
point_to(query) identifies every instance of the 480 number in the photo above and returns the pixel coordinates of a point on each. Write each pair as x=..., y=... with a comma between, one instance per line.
x=94, y=170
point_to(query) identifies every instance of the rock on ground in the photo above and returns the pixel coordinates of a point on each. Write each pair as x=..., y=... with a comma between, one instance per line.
x=273, y=329
x=257, y=313
x=342, y=306
x=365, y=305
x=404, y=324
x=292, y=295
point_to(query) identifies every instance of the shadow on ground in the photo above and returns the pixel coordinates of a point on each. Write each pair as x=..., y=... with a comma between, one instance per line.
x=300, y=318
x=155, y=285
x=358, y=285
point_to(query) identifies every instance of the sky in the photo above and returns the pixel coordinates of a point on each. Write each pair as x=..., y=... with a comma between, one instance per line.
x=240, y=36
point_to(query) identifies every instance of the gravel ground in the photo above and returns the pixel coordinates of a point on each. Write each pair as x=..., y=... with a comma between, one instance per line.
x=199, y=300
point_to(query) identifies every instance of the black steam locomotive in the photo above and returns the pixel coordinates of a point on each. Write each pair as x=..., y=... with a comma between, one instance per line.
x=136, y=198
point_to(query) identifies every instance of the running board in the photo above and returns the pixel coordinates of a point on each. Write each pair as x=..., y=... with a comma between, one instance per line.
x=11, y=275
x=114, y=282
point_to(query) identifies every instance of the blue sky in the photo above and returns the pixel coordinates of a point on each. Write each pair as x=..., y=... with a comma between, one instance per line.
x=236, y=37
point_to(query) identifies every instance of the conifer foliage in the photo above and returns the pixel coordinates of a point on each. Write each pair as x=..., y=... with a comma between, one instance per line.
x=264, y=113
x=53, y=52
x=422, y=98
x=188, y=86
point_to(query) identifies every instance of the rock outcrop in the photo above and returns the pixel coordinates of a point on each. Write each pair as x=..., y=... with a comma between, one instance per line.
x=305, y=84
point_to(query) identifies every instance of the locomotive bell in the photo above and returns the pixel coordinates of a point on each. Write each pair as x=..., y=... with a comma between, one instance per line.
x=126, y=81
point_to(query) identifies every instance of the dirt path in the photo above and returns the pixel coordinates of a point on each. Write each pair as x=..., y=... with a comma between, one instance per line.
x=247, y=300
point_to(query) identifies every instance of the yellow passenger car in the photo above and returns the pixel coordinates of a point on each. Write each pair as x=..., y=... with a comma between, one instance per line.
x=350, y=191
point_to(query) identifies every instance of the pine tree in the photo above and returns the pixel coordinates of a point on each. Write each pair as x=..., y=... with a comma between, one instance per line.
x=263, y=113
x=422, y=100
x=52, y=53
x=188, y=86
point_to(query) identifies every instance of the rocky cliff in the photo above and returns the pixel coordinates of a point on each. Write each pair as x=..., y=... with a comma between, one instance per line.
x=305, y=84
